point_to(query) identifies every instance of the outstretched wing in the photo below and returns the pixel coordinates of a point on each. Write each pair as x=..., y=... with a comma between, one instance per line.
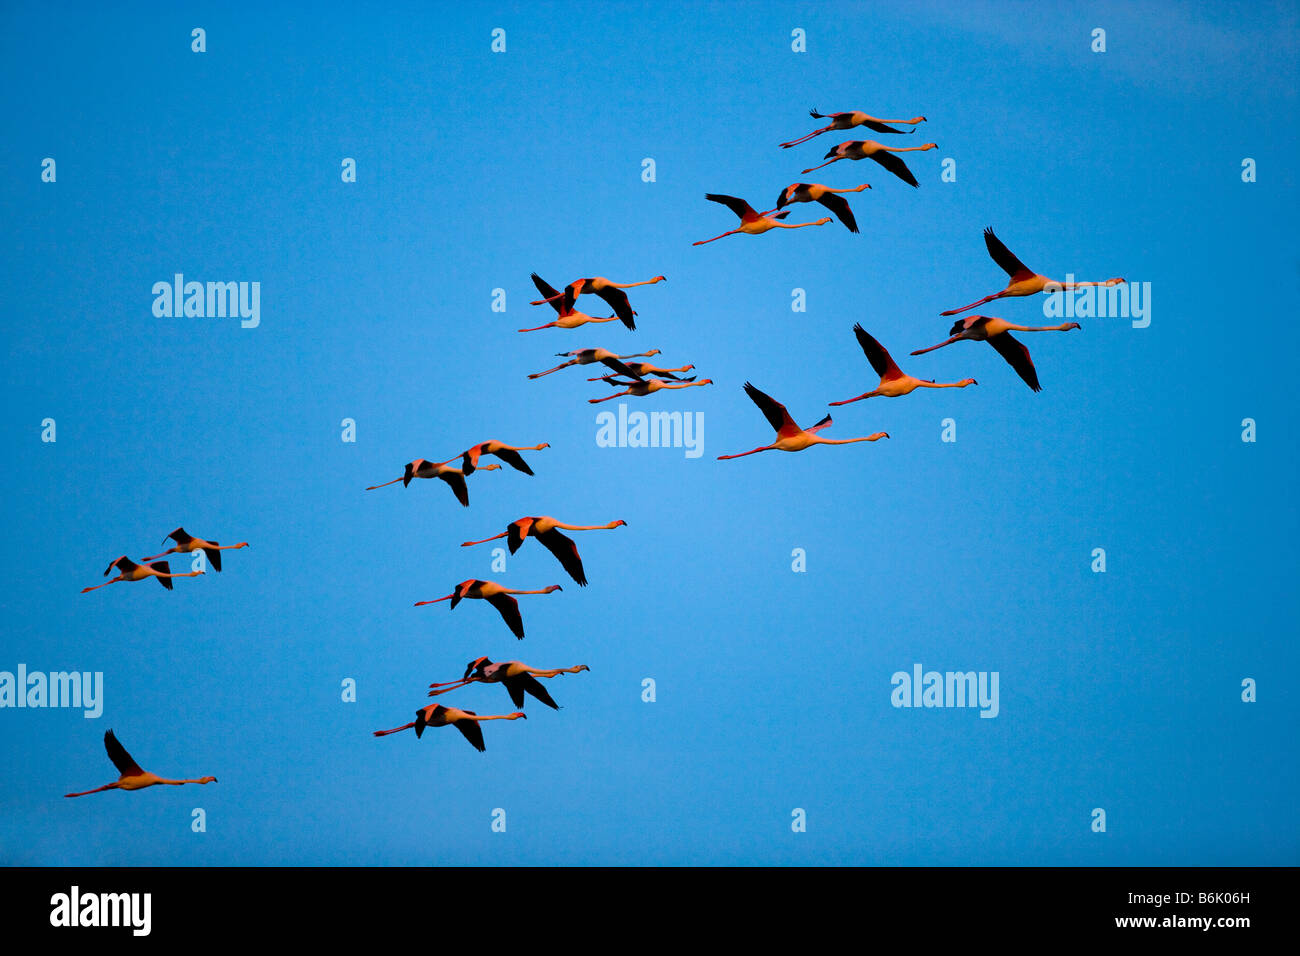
x=514, y=460
x=126, y=766
x=509, y=610
x=214, y=557
x=180, y=536
x=472, y=731
x=895, y=166
x=824, y=423
x=1005, y=258
x=840, y=206
x=165, y=568
x=529, y=683
x=775, y=412
x=515, y=536
x=738, y=206
x=617, y=300
x=884, y=128
x=566, y=552
x=549, y=293
x=457, y=482
x=619, y=367
x=1017, y=356
x=123, y=564
x=877, y=354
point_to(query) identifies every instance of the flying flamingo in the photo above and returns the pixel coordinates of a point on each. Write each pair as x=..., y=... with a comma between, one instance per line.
x=884, y=155
x=496, y=595
x=1023, y=281
x=133, y=778
x=642, y=369
x=507, y=453
x=852, y=119
x=982, y=328
x=466, y=721
x=607, y=358
x=611, y=292
x=185, y=543
x=789, y=436
x=543, y=528
x=646, y=387
x=569, y=317
x=893, y=382
x=518, y=678
x=753, y=223
x=420, y=468
x=815, y=192
x=128, y=570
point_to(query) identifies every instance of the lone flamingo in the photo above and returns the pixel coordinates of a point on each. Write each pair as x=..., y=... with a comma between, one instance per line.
x=1023, y=280
x=569, y=317
x=543, y=528
x=852, y=119
x=606, y=358
x=517, y=677
x=185, y=543
x=466, y=721
x=982, y=328
x=815, y=192
x=884, y=155
x=133, y=778
x=611, y=292
x=751, y=222
x=507, y=453
x=789, y=436
x=642, y=369
x=646, y=387
x=421, y=468
x=893, y=382
x=496, y=595
x=128, y=570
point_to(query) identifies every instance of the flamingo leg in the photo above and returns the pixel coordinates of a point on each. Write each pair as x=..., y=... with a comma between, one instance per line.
x=827, y=163
x=423, y=603
x=371, y=488
x=973, y=305
x=107, y=786
x=850, y=401
x=104, y=585
x=385, y=733
x=744, y=453
x=595, y=401
x=547, y=372
x=715, y=238
x=955, y=338
x=804, y=139
x=468, y=544
x=548, y=325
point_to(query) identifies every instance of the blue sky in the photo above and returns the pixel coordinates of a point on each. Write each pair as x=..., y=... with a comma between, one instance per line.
x=1118, y=690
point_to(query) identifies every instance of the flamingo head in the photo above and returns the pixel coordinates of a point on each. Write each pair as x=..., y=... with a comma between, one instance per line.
x=707, y=381
x=1116, y=281
x=618, y=522
x=1072, y=325
x=207, y=779
x=967, y=381
x=554, y=587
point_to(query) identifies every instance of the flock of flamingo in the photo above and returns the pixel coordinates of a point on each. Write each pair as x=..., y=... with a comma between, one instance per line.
x=640, y=379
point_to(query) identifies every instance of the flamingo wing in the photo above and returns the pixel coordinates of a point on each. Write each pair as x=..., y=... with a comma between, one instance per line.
x=527, y=682
x=515, y=535
x=775, y=412
x=1005, y=258
x=619, y=367
x=457, y=481
x=566, y=552
x=741, y=208
x=180, y=536
x=1017, y=356
x=617, y=300
x=884, y=127
x=165, y=568
x=788, y=195
x=214, y=556
x=550, y=294
x=472, y=731
x=514, y=460
x=123, y=564
x=122, y=760
x=894, y=165
x=840, y=206
x=509, y=610
x=877, y=354
x=824, y=423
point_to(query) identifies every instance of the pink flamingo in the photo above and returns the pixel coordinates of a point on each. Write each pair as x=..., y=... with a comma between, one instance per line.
x=544, y=529
x=852, y=119
x=517, y=677
x=1023, y=280
x=128, y=570
x=751, y=222
x=569, y=317
x=454, y=477
x=496, y=595
x=884, y=155
x=647, y=387
x=893, y=382
x=983, y=328
x=132, y=777
x=789, y=436
x=611, y=292
x=603, y=356
x=185, y=543
x=466, y=721
x=815, y=192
